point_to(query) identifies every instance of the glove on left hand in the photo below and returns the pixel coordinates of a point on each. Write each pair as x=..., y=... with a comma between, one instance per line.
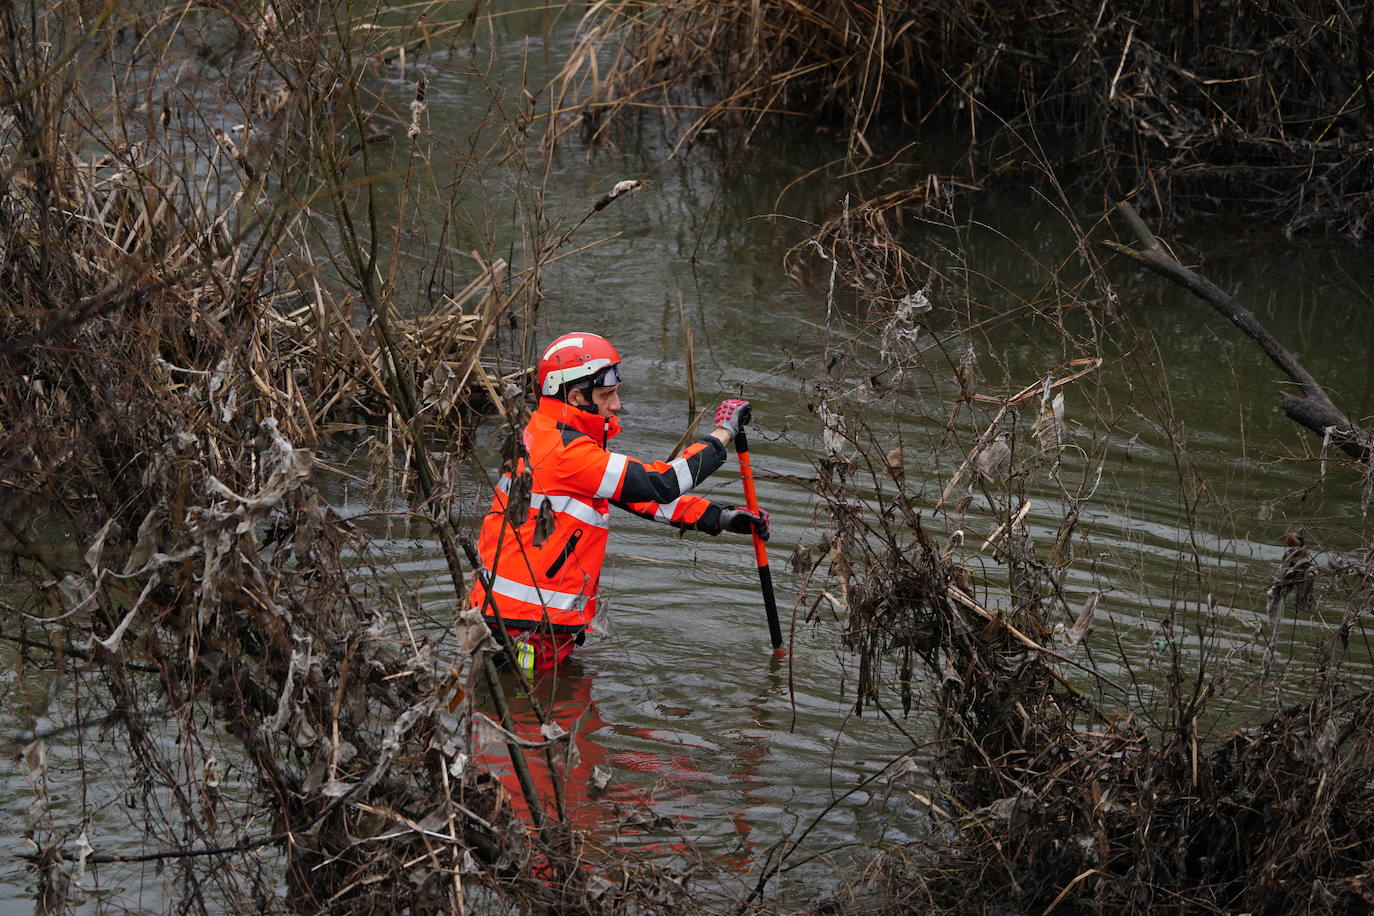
x=742, y=521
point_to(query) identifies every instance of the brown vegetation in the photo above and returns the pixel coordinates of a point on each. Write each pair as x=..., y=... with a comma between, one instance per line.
x=1060, y=787
x=1265, y=110
x=189, y=322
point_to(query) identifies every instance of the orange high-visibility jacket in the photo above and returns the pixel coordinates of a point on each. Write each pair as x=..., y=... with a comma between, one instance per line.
x=544, y=573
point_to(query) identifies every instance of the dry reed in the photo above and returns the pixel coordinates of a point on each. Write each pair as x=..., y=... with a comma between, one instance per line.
x=1263, y=112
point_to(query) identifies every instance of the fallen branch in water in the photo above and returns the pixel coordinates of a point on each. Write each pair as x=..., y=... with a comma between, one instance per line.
x=1314, y=409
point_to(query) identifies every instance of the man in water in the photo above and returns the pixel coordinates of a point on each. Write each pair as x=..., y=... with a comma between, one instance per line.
x=541, y=567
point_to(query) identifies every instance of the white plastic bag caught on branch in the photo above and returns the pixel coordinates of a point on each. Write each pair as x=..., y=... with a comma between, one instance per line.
x=834, y=436
x=286, y=466
x=216, y=525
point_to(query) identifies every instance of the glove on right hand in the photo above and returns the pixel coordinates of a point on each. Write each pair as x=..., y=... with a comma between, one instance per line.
x=742, y=521
x=732, y=414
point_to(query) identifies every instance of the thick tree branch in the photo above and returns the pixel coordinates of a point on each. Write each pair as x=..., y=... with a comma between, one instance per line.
x=1314, y=409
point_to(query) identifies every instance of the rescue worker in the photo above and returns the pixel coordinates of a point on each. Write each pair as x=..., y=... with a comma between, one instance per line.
x=541, y=567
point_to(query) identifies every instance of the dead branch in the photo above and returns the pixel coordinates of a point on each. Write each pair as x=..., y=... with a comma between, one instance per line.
x=1314, y=409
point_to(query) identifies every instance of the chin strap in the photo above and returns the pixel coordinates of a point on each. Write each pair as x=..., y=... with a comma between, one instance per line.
x=589, y=407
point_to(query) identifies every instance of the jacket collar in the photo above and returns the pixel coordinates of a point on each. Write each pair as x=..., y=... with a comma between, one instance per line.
x=601, y=429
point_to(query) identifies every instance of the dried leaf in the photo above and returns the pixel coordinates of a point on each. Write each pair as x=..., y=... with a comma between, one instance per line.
x=1329, y=740
x=441, y=390
x=459, y=695
x=303, y=733
x=949, y=676
x=1049, y=425
x=1085, y=618
x=544, y=523
x=597, y=887
x=315, y=778
x=474, y=635
x=994, y=460
x=300, y=663
x=518, y=500
x=97, y=547
x=36, y=759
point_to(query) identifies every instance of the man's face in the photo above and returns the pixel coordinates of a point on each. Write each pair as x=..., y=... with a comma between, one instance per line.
x=606, y=400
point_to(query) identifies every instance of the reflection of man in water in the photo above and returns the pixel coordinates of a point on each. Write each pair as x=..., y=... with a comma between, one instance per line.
x=541, y=564
x=586, y=768
x=582, y=761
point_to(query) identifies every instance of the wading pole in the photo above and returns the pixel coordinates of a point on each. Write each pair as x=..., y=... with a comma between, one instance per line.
x=751, y=502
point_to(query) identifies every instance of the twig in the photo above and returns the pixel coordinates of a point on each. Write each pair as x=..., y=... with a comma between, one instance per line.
x=20, y=738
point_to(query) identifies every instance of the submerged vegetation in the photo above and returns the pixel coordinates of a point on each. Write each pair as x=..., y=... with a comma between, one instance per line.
x=202, y=329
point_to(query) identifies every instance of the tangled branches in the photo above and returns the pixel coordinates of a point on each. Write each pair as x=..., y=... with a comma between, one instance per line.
x=955, y=548
x=278, y=730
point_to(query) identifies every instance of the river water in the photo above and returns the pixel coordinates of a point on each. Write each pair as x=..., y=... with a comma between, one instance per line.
x=675, y=694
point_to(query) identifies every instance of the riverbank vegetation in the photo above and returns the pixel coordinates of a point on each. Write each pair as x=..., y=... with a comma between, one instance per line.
x=1265, y=110
x=237, y=273
x=203, y=326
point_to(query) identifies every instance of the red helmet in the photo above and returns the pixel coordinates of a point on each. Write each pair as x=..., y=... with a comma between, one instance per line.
x=578, y=357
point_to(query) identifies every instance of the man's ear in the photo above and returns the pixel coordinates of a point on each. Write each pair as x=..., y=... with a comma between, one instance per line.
x=576, y=397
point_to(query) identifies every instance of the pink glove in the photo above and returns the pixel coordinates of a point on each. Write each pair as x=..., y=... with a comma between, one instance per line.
x=732, y=414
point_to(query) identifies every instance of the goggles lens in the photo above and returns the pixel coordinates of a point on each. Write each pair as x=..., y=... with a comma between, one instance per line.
x=607, y=377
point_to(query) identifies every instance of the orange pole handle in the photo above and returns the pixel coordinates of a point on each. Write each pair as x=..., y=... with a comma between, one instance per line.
x=751, y=502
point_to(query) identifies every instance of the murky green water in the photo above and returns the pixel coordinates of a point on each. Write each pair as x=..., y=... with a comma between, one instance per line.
x=687, y=712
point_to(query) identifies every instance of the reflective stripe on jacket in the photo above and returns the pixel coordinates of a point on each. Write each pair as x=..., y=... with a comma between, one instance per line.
x=544, y=572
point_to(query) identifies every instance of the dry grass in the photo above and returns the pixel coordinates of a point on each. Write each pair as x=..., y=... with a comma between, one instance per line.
x=1262, y=112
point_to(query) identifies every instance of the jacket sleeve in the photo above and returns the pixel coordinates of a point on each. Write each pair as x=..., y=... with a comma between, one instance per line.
x=689, y=513
x=623, y=479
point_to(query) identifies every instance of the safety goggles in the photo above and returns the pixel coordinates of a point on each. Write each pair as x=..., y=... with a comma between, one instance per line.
x=607, y=377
